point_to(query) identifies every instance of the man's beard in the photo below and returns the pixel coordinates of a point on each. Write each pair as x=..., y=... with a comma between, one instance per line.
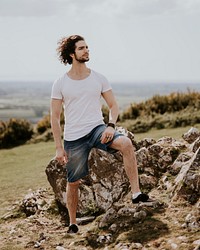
x=81, y=60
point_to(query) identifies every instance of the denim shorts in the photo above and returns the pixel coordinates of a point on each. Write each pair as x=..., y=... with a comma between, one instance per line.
x=78, y=152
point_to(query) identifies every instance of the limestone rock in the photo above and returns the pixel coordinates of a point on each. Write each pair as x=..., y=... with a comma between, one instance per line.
x=196, y=144
x=117, y=218
x=164, y=183
x=165, y=151
x=35, y=202
x=104, y=239
x=187, y=183
x=144, y=159
x=108, y=178
x=106, y=183
x=128, y=246
x=56, y=175
x=146, y=142
x=148, y=182
x=191, y=135
x=179, y=162
x=108, y=218
x=192, y=220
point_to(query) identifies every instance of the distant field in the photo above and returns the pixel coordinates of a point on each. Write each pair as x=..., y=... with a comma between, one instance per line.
x=30, y=100
x=23, y=168
x=17, y=113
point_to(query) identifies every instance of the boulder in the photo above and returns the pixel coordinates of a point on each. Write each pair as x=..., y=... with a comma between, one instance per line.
x=191, y=135
x=108, y=178
x=36, y=202
x=56, y=175
x=164, y=152
x=146, y=142
x=196, y=144
x=187, y=182
x=106, y=183
x=180, y=160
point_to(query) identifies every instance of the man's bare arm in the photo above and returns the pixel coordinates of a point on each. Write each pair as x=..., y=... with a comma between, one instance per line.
x=112, y=105
x=113, y=115
x=56, y=108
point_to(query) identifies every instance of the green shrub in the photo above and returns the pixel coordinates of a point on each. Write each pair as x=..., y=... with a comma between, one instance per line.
x=170, y=111
x=14, y=132
x=105, y=112
x=171, y=103
x=187, y=117
x=43, y=124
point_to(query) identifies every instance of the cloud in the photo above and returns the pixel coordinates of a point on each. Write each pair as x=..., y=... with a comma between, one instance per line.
x=39, y=8
x=135, y=8
x=28, y=8
x=106, y=8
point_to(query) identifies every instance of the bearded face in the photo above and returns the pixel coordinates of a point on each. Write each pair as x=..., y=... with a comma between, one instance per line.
x=81, y=53
x=82, y=58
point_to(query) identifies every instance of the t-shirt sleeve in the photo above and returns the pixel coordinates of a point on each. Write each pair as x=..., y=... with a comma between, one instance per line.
x=105, y=84
x=56, y=90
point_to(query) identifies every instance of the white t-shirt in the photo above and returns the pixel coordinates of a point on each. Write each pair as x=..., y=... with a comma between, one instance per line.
x=81, y=101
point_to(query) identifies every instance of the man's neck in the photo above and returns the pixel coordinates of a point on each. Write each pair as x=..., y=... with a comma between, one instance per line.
x=79, y=71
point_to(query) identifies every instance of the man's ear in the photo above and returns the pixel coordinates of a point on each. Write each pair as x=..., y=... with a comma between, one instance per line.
x=72, y=55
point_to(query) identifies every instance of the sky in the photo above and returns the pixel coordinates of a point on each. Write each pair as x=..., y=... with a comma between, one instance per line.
x=129, y=40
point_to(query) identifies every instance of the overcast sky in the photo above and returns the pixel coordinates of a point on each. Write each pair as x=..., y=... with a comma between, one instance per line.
x=129, y=40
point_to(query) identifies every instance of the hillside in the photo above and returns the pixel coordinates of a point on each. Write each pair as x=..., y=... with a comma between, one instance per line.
x=171, y=221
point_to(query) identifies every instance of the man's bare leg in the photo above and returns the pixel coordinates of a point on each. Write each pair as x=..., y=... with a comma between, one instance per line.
x=72, y=200
x=124, y=145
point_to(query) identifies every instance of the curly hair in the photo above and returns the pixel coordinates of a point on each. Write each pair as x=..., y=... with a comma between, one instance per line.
x=66, y=46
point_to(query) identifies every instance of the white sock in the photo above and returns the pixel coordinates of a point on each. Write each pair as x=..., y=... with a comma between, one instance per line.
x=135, y=195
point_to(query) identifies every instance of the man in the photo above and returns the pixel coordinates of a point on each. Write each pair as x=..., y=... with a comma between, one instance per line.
x=79, y=91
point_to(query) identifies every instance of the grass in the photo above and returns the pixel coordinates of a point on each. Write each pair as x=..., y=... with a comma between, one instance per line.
x=23, y=168
x=158, y=133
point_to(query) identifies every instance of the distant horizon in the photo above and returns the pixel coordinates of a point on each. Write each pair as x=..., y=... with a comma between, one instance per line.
x=111, y=82
x=31, y=99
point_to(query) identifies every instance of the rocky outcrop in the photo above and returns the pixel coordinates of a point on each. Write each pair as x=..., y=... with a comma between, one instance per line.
x=108, y=183
x=191, y=135
x=187, y=182
x=56, y=175
x=36, y=202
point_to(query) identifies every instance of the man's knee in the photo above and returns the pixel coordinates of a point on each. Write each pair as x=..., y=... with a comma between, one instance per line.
x=73, y=184
x=126, y=145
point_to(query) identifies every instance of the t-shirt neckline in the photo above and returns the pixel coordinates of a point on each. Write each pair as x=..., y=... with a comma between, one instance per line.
x=80, y=79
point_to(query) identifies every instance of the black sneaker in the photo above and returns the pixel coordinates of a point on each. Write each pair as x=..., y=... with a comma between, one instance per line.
x=141, y=197
x=73, y=228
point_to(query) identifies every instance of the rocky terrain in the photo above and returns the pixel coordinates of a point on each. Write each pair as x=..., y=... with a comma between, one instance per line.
x=169, y=171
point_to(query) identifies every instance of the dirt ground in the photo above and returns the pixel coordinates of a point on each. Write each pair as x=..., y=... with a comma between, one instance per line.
x=166, y=229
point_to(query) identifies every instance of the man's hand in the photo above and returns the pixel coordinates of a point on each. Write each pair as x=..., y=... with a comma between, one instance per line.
x=107, y=135
x=61, y=156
